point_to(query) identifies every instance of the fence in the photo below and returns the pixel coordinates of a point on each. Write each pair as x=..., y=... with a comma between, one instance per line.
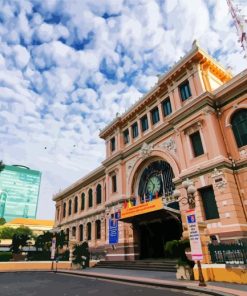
x=235, y=253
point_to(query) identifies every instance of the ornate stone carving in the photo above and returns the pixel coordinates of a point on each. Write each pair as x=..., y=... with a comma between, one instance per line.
x=145, y=150
x=243, y=153
x=170, y=145
x=193, y=128
x=219, y=179
x=129, y=165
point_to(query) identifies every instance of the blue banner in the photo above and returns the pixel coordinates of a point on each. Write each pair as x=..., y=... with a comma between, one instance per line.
x=113, y=231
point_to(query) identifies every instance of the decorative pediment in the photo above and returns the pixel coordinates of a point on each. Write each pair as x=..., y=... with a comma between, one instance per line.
x=169, y=145
x=146, y=150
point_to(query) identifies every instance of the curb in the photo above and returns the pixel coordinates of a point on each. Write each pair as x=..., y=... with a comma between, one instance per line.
x=135, y=281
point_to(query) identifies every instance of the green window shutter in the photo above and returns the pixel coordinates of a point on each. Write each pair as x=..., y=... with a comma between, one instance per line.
x=209, y=203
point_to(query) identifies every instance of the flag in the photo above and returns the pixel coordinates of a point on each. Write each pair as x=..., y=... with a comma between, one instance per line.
x=129, y=204
x=125, y=204
x=156, y=194
x=134, y=201
x=150, y=196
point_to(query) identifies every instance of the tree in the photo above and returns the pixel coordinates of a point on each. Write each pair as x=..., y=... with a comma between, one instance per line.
x=43, y=241
x=18, y=242
x=6, y=232
x=81, y=254
x=2, y=221
x=1, y=165
x=61, y=239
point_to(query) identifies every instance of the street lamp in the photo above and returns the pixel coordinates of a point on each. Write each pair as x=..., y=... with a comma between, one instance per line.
x=190, y=200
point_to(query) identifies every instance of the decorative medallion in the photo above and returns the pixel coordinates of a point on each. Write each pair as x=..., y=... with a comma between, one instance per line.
x=145, y=150
x=170, y=145
x=219, y=179
x=243, y=153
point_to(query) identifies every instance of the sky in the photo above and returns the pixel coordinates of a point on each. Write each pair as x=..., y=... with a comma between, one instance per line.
x=68, y=67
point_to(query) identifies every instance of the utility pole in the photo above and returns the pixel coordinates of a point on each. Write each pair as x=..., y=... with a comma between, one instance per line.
x=240, y=21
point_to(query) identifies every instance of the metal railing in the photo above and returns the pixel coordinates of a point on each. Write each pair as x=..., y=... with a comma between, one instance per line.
x=234, y=253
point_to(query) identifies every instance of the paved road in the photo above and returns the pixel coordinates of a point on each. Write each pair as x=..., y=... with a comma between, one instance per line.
x=50, y=284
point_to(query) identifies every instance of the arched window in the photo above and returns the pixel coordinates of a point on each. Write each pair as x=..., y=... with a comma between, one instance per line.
x=74, y=231
x=81, y=233
x=67, y=234
x=98, y=229
x=98, y=194
x=70, y=206
x=90, y=198
x=64, y=210
x=239, y=127
x=76, y=204
x=89, y=229
x=82, y=201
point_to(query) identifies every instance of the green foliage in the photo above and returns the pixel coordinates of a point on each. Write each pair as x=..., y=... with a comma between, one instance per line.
x=39, y=256
x=2, y=221
x=5, y=256
x=18, y=242
x=81, y=254
x=176, y=249
x=6, y=232
x=43, y=241
x=61, y=239
x=1, y=165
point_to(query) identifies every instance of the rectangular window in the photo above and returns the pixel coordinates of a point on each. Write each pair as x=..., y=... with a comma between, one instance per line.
x=114, y=183
x=184, y=90
x=209, y=203
x=126, y=136
x=196, y=143
x=144, y=123
x=135, y=130
x=113, y=144
x=155, y=115
x=167, y=107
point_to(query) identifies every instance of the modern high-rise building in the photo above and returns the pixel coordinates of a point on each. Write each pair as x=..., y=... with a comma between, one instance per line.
x=19, y=192
x=191, y=127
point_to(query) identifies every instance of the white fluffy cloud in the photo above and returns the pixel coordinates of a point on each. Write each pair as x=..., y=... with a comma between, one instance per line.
x=67, y=68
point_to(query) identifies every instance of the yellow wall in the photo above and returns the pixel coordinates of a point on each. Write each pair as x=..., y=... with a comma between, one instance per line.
x=219, y=273
x=35, y=265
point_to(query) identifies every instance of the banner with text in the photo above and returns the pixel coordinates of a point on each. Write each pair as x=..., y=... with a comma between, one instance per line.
x=194, y=235
x=142, y=208
x=113, y=231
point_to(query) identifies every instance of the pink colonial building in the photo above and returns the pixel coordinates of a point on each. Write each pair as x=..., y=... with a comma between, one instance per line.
x=191, y=125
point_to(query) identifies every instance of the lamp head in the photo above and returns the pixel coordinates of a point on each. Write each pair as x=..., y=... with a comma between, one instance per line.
x=191, y=189
x=176, y=193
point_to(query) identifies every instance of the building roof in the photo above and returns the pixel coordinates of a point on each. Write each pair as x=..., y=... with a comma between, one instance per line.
x=30, y=222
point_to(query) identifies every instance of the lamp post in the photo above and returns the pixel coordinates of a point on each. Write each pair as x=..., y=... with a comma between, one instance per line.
x=190, y=200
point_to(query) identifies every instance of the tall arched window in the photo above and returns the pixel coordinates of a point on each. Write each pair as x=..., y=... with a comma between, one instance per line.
x=76, y=204
x=74, y=231
x=64, y=210
x=98, y=194
x=81, y=233
x=82, y=201
x=89, y=230
x=239, y=127
x=67, y=234
x=90, y=198
x=98, y=229
x=70, y=206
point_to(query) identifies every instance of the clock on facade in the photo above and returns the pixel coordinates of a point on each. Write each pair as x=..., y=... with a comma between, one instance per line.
x=153, y=184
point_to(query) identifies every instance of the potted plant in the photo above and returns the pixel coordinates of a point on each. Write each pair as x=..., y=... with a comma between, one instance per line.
x=177, y=249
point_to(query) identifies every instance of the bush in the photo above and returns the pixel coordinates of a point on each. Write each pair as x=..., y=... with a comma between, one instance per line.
x=39, y=256
x=5, y=256
x=176, y=249
x=81, y=254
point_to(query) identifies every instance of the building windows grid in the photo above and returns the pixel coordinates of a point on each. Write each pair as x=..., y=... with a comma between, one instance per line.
x=209, y=203
x=184, y=90
x=155, y=115
x=196, y=144
x=76, y=204
x=89, y=231
x=81, y=232
x=144, y=123
x=135, y=130
x=167, y=107
x=98, y=229
x=70, y=207
x=90, y=198
x=98, y=194
x=82, y=201
x=126, y=136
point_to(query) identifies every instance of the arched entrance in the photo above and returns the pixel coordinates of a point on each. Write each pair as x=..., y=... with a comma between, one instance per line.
x=153, y=229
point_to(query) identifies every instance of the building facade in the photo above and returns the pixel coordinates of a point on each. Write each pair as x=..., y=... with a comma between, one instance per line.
x=191, y=125
x=19, y=192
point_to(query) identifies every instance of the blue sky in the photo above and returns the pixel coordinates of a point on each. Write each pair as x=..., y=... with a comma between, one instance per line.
x=67, y=68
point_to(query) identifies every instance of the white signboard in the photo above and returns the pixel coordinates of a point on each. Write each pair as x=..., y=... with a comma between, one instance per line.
x=194, y=235
x=53, y=248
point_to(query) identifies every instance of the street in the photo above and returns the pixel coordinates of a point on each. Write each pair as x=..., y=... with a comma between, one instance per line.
x=51, y=284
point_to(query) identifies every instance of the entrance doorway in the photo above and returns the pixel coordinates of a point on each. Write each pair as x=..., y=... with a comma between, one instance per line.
x=154, y=230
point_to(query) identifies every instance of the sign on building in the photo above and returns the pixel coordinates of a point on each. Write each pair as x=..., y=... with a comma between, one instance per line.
x=194, y=235
x=113, y=231
x=19, y=192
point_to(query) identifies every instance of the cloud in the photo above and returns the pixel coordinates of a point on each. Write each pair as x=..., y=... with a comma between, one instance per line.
x=67, y=68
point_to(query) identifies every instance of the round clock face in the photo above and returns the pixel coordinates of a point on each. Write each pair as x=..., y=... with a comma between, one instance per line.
x=153, y=185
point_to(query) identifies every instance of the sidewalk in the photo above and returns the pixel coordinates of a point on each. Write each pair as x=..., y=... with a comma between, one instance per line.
x=163, y=279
